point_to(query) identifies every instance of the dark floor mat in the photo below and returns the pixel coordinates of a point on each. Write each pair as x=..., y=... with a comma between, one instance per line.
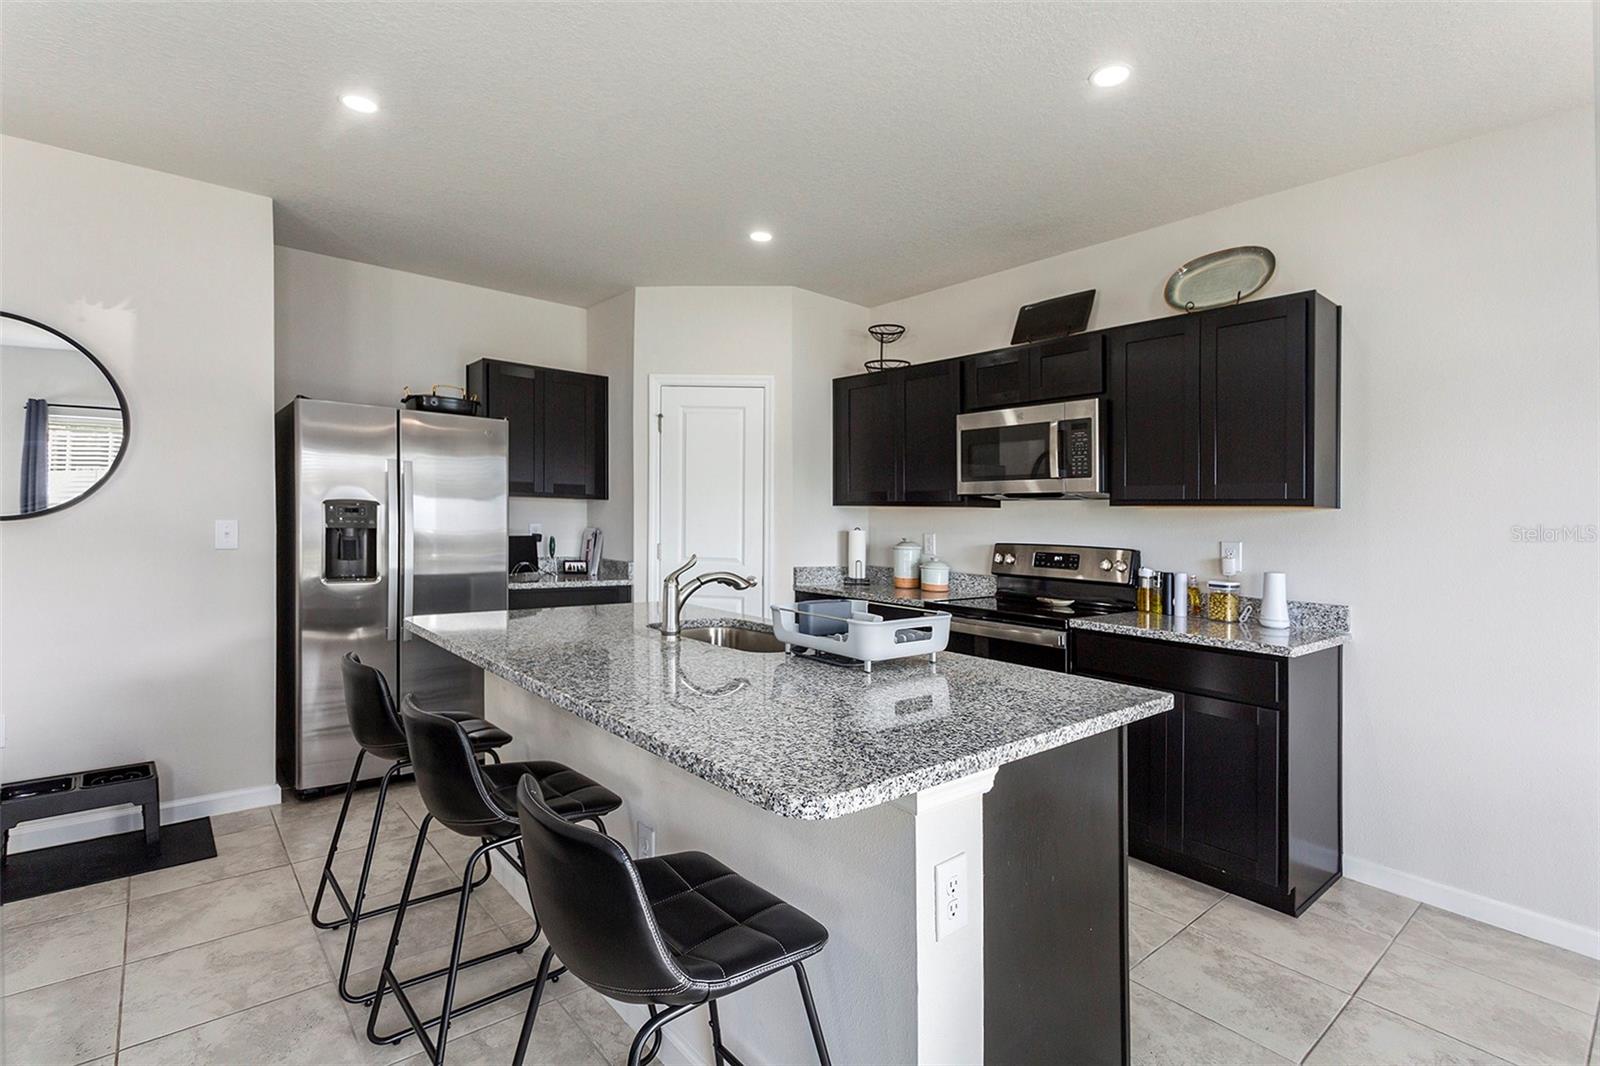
x=88, y=862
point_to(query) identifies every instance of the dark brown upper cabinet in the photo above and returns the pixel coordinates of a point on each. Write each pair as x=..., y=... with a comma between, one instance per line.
x=1237, y=405
x=1155, y=411
x=1034, y=373
x=558, y=427
x=866, y=438
x=894, y=436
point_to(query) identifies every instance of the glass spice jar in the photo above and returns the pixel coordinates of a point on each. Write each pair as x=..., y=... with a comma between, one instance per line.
x=1222, y=601
x=1194, y=596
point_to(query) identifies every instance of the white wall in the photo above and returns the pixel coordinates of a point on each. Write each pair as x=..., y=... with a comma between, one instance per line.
x=798, y=338
x=610, y=346
x=1468, y=279
x=361, y=333
x=123, y=634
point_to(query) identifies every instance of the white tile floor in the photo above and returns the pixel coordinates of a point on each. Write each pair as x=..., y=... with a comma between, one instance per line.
x=1363, y=977
x=216, y=962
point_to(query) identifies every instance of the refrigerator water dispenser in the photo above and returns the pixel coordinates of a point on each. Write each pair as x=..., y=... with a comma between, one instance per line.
x=350, y=540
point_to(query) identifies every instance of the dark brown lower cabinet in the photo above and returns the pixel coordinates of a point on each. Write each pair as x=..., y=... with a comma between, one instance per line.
x=572, y=595
x=1238, y=785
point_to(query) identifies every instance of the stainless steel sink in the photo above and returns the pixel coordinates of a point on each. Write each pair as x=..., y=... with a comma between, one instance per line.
x=732, y=637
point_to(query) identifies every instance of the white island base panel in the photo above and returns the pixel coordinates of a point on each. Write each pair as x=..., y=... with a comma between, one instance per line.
x=887, y=990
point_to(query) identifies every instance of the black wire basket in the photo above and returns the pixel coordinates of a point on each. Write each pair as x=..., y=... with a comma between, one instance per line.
x=886, y=333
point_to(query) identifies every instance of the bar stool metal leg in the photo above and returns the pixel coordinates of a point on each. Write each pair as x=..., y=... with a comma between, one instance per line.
x=811, y=1014
x=388, y=983
x=652, y=1028
x=353, y=914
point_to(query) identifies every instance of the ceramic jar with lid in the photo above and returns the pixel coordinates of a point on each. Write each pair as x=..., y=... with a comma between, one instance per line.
x=935, y=576
x=907, y=554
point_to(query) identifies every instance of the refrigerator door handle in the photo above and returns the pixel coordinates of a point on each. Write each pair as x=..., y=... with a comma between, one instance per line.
x=391, y=549
x=408, y=563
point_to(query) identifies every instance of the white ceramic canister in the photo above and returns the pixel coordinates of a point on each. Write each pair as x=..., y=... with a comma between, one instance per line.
x=907, y=554
x=935, y=576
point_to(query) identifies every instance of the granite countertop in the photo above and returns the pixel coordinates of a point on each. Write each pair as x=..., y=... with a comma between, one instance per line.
x=613, y=573
x=880, y=586
x=1315, y=626
x=878, y=590
x=796, y=736
x=1234, y=636
x=550, y=581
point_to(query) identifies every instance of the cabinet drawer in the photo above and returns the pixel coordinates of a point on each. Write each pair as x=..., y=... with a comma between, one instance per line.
x=1178, y=667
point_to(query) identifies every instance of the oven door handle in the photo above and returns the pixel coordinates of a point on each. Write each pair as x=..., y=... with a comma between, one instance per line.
x=1046, y=638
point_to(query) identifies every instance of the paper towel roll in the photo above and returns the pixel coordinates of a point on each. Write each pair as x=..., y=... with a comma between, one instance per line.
x=856, y=555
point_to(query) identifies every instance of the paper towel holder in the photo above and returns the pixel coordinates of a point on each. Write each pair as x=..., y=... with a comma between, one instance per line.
x=855, y=572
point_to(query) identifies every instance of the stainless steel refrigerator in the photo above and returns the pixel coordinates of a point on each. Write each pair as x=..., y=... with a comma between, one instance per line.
x=382, y=514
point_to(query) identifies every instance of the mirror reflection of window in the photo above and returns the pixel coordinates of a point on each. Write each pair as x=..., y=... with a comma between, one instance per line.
x=62, y=424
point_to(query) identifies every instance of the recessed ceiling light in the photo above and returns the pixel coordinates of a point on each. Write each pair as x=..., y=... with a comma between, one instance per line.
x=365, y=105
x=760, y=236
x=1110, y=75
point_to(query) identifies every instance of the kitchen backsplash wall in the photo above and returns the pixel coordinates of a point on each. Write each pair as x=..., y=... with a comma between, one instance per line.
x=563, y=519
x=1467, y=276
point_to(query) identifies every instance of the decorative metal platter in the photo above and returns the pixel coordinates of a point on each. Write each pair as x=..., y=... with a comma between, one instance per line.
x=1220, y=278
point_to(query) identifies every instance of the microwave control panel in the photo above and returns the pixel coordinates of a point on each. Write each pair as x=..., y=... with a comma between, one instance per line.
x=1077, y=447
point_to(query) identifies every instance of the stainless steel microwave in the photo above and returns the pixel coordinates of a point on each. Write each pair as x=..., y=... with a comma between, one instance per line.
x=1049, y=449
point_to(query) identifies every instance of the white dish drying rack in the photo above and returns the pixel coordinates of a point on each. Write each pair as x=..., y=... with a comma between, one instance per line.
x=850, y=630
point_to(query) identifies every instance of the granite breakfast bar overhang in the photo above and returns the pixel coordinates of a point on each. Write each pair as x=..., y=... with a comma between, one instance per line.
x=840, y=791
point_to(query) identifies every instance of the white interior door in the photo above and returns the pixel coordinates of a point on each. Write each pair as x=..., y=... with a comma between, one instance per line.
x=713, y=489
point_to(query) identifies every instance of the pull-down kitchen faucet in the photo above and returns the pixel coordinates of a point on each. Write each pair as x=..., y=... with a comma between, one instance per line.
x=672, y=599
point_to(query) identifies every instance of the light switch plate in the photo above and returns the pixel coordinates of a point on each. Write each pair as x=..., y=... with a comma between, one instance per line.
x=950, y=896
x=226, y=537
x=644, y=837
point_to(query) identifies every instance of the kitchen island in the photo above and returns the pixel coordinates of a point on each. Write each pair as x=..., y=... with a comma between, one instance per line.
x=841, y=791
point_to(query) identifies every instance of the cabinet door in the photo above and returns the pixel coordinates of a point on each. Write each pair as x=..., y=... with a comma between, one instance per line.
x=1230, y=780
x=1153, y=800
x=1001, y=378
x=1253, y=382
x=1155, y=411
x=1069, y=367
x=510, y=391
x=572, y=436
x=866, y=412
x=930, y=398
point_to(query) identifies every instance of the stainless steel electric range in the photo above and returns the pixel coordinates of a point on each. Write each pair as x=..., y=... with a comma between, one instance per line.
x=1039, y=587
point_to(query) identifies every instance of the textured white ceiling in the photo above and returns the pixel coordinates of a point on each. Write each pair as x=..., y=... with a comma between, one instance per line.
x=570, y=151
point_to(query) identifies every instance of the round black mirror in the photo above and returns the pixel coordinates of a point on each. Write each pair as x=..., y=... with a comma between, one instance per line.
x=63, y=420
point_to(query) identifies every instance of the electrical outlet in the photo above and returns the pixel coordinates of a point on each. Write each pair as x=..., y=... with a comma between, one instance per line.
x=950, y=896
x=225, y=536
x=644, y=837
x=535, y=529
x=1231, y=554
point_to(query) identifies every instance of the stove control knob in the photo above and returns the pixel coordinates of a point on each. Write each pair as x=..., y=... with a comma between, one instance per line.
x=1122, y=566
x=998, y=557
x=1105, y=564
x=1010, y=558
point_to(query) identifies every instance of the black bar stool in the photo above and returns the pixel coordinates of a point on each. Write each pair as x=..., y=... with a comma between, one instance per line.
x=670, y=932
x=377, y=728
x=476, y=801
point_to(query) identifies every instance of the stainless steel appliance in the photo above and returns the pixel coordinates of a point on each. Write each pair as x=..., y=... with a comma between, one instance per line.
x=382, y=514
x=1049, y=449
x=1038, y=588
